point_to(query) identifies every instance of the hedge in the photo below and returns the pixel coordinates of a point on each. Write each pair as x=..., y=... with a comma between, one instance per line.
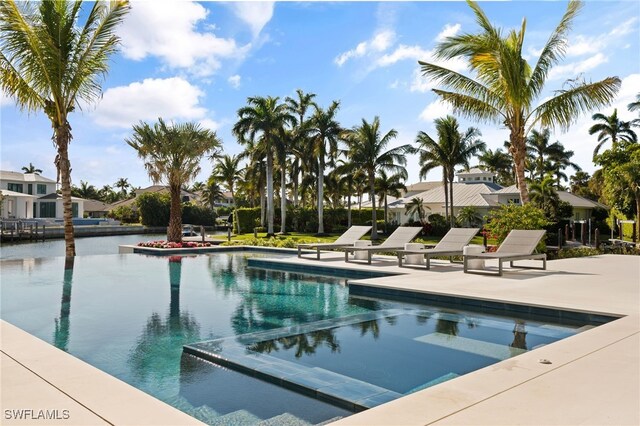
x=155, y=208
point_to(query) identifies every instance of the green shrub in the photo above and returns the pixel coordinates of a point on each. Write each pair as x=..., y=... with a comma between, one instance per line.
x=511, y=216
x=197, y=215
x=573, y=252
x=124, y=214
x=439, y=225
x=154, y=209
x=247, y=218
x=224, y=211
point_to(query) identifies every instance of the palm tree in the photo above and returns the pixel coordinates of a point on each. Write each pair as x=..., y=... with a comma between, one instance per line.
x=197, y=186
x=540, y=149
x=266, y=120
x=390, y=185
x=349, y=175
x=212, y=192
x=299, y=107
x=227, y=170
x=560, y=160
x=635, y=106
x=506, y=86
x=123, y=184
x=611, y=129
x=416, y=207
x=31, y=169
x=544, y=195
x=452, y=149
x=50, y=63
x=499, y=163
x=366, y=150
x=469, y=216
x=84, y=191
x=172, y=154
x=324, y=131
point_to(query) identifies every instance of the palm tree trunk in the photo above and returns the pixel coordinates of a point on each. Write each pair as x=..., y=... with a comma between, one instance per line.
x=174, y=232
x=386, y=214
x=446, y=196
x=262, y=203
x=374, y=218
x=283, y=200
x=452, y=217
x=320, y=198
x=270, y=194
x=349, y=208
x=518, y=151
x=63, y=137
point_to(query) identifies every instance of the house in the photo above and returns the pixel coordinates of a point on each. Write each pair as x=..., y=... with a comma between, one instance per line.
x=185, y=196
x=31, y=196
x=477, y=188
x=96, y=209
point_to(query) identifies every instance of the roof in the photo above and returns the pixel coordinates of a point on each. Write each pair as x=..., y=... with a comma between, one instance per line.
x=8, y=193
x=419, y=187
x=464, y=194
x=568, y=197
x=95, y=206
x=162, y=188
x=56, y=196
x=475, y=171
x=24, y=177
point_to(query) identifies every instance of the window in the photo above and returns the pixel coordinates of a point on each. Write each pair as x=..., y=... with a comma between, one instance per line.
x=48, y=209
x=514, y=200
x=41, y=189
x=15, y=187
x=74, y=209
x=30, y=188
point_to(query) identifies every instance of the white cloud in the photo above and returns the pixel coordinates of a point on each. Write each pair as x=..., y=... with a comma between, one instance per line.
x=256, y=14
x=403, y=52
x=581, y=45
x=420, y=83
x=625, y=28
x=448, y=31
x=5, y=100
x=210, y=124
x=380, y=42
x=435, y=109
x=169, y=32
x=234, y=81
x=171, y=98
x=571, y=69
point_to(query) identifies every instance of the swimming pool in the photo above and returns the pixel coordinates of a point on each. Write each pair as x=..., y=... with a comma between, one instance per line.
x=130, y=316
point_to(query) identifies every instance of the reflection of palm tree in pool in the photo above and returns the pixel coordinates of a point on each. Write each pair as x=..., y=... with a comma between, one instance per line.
x=61, y=333
x=371, y=326
x=156, y=356
x=304, y=344
x=519, y=335
x=446, y=326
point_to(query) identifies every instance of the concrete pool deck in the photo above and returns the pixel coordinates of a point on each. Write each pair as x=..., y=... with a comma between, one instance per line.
x=592, y=378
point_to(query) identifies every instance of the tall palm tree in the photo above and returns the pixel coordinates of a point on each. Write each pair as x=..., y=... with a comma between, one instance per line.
x=31, y=169
x=506, y=87
x=390, y=185
x=560, y=160
x=212, y=192
x=540, y=150
x=611, y=128
x=264, y=119
x=366, y=150
x=635, y=106
x=49, y=63
x=85, y=190
x=123, y=184
x=499, y=163
x=544, y=195
x=324, y=131
x=227, y=169
x=299, y=107
x=452, y=149
x=172, y=153
x=349, y=174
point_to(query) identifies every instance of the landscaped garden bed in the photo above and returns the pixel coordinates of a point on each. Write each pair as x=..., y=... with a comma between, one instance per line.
x=173, y=245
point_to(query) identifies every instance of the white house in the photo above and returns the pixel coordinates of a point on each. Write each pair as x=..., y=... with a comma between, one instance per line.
x=31, y=196
x=476, y=188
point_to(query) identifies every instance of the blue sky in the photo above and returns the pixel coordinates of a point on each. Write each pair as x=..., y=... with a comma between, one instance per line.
x=199, y=61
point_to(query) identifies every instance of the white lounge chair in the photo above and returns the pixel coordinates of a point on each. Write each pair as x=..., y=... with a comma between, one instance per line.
x=396, y=241
x=519, y=245
x=451, y=244
x=347, y=239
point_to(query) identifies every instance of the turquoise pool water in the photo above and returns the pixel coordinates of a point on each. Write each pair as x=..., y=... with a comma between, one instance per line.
x=130, y=316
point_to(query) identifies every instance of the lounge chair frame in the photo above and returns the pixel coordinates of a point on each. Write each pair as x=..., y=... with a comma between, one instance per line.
x=444, y=247
x=396, y=241
x=519, y=245
x=348, y=238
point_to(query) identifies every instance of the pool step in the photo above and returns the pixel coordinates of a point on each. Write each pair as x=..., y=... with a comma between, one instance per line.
x=206, y=414
x=235, y=418
x=285, y=419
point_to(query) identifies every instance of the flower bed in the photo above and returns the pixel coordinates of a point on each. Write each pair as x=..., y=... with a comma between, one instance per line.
x=171, y=245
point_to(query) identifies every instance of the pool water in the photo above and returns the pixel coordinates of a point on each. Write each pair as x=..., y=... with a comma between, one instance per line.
x=130, y=316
